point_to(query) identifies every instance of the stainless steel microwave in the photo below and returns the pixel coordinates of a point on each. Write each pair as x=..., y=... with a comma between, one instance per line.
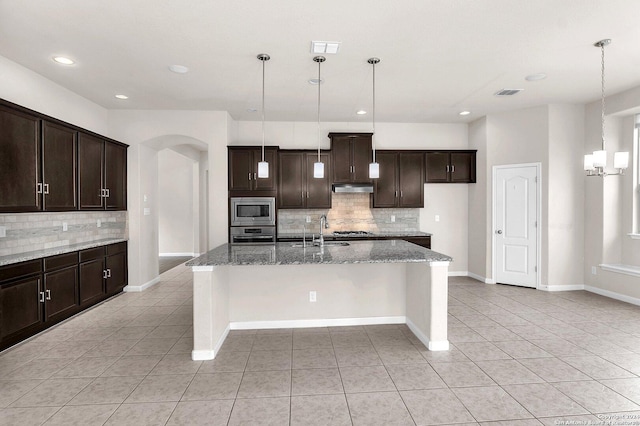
x=253, y=211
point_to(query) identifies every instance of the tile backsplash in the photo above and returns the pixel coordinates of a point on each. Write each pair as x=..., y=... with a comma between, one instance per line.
x=350, y=212
x=27, y=232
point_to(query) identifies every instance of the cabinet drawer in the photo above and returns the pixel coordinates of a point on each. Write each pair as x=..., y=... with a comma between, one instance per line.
x=21, y=269
x=60, y=261
x=116, y=248
x=90, y=254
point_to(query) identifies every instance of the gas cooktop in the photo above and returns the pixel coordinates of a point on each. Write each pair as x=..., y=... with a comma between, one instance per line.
x=351, y=233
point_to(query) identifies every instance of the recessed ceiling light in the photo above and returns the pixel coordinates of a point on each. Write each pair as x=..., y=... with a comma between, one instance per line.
x=122, y=97
x=464, y=113
x=361, y=112
x=62, y=60
x=325, y=47
x=178, y=69
x=315, y=81
x=536, y=77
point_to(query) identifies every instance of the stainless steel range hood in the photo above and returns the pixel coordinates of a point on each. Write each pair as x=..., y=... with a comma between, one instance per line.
x=352, y=187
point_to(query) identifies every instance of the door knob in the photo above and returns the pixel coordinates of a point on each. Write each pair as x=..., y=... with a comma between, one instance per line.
x=499, y=231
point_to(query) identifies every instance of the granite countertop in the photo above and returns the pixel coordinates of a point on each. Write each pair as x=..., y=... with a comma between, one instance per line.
x=38, y=254
x=331, y=236
x=374, y=251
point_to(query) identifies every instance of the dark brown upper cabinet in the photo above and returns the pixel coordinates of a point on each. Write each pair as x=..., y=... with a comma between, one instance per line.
x=20, y=158
x=243, y=168
x=401, y=181
x=102, y=169
x=59, y=157
x=297, y=188
x=450, y=166
x=351, y=154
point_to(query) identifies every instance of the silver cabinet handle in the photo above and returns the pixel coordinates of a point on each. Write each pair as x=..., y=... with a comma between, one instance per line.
x=108, y=193
x=46, y=188
x=41, y=296
x=307, y=194
x=108, y=273
x=499, y=231
x=453, y=168
x=104, y=273
x=447, y=168
x=48, y=294
x=400, y=194
x=38, y=188
x=255, y=176
x=249, y=175
x=395, y=194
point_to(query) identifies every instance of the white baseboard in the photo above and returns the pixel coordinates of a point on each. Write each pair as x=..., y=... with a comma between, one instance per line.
x=480, y=278
x=613, y=295
x=178, y=254
x=139, y=288
x=572, y=287
x=442, y=345
x=248, y=325
x=458, y=273
x=439, y=345
x=202, y=355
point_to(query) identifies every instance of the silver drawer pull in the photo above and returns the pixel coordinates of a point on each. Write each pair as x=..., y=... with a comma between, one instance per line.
x=48, y=294
x=46, y=188
x=104, y=273
x=41, y=296
x=38, y=188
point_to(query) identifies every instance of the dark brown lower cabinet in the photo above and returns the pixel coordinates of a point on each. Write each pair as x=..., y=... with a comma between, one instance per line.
x=37, y=294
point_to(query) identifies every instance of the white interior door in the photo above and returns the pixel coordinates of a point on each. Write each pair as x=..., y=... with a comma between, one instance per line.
x=515, y=232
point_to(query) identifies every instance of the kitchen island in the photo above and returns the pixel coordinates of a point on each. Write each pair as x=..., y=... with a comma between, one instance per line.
x=355, y=283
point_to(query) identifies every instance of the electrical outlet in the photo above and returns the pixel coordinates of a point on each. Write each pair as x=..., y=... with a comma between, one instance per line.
x=145, y=198
x=99, y=223
x=308, y=219
x=312, y=296
x=65, y=227
x=594, y=270
x=393, y=218
x=147, y=211
x=3, y=231
x=437, y=218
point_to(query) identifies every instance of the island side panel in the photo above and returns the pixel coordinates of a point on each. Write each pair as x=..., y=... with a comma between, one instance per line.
x=274, y=296
x=210, y=310
x=427, y=299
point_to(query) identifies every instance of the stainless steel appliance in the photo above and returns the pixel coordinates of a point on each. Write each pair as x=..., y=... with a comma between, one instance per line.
x=253, y=235
x=253, y=211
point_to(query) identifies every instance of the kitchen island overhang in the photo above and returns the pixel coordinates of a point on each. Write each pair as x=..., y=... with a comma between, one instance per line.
x=365, y=282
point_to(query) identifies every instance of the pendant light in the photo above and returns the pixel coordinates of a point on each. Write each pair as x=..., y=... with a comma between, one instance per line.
x=594, y=164
x=263, y=166
x=374, y=167
x=318, y=167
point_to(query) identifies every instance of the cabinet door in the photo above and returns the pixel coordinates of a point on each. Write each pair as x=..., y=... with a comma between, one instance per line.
x=411, y=179
x=115, y=176
x=240, y=169
x=362, y=155
x=291, y=180
x=270, y=156
x=91, y=172
x=61, y=291
x=341, y=159
x=385, y=188
x=463, y=167
x=91, y=281
x=318, y=190
x=436, y=167
x=116, y=266
x=19, y=161
x=20, y=307
x=59, y=151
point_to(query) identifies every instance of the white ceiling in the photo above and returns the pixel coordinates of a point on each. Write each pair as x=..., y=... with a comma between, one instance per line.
x=438, y=56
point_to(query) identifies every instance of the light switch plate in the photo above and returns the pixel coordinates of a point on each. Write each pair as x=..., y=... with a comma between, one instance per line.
x=437, y=218
x=3, y=231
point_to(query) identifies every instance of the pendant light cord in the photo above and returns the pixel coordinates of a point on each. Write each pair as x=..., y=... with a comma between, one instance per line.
x=263, y=110
x=602, y=109
x=319, y=82
x=373, y=139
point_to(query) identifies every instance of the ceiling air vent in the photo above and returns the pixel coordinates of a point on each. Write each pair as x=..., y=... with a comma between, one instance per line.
x=508, y=92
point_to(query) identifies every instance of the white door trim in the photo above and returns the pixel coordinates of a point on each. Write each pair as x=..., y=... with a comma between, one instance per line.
x=538, y=167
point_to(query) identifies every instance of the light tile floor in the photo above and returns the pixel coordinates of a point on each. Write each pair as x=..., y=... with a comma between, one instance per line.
x=518, y=357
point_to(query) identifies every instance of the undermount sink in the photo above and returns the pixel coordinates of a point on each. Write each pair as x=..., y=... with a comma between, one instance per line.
x=326, y=243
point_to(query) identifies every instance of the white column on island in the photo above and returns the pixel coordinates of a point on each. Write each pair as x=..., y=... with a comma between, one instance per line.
x=427, y=299
x=210, y=310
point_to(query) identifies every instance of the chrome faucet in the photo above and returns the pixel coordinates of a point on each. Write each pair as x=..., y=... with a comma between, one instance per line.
x=323, y=224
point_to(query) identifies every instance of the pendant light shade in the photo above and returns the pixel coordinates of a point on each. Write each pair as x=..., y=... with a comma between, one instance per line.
x=594, y=164
x=263, y=166
x=318, y=166
x=374, y=167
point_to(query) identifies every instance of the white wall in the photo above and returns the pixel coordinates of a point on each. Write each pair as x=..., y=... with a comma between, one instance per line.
x=29, y=89
x=449, y=201
x=176, y=204
x=479, y=223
